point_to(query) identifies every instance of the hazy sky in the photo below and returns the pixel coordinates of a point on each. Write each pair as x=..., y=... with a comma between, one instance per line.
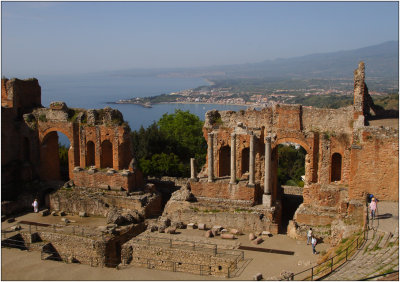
x=78, y=37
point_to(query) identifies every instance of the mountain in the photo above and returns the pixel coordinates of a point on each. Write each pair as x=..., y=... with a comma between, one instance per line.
x=382, y=63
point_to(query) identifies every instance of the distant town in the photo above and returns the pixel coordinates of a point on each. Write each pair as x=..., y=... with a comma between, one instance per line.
x=232, y=96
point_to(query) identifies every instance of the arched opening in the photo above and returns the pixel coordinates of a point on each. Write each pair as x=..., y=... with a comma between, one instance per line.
x=224, y=161
x=26, y=152
x=54, y=156
x=290, y=179
x=336, y=167
x=245, y=160
x=90, y=154
x=106, y=154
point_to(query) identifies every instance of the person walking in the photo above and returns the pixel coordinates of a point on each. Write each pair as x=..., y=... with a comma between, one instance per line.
x=313, y=244
x=372, y=207
x=309, y=235
x=35, y=206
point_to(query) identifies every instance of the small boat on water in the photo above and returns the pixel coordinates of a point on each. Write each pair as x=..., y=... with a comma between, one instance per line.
x=147, y=105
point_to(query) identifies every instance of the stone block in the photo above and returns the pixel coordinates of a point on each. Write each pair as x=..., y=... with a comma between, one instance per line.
x=83, y=214
x=252, y=236
x=102, y=228
x=257, y=277
x=54, y=213
x=266, y=234
x=214, y=232
x=64, y=219
x=62, y=213
x=45, y=212
x=10, y=220
x=15, y=227
x=257, y=241
x=208, y=234
x=153, y=228
x=202, y=226
x=287, y=275
x=227, y=236
x=224, y=231
x=161, y=229
x=235, y=232
x=191, y=226
x=170, y=230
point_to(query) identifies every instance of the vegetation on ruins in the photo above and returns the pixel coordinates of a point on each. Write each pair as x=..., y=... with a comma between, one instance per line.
x=291, y=165
x=165, y=147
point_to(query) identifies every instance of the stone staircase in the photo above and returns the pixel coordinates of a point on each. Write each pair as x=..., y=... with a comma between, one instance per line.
x=378, y=255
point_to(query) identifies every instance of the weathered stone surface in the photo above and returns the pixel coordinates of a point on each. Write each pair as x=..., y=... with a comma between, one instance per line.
x=54, y=213
x=64, y=219
x=178, y=225
x=15, y=227
x=252, y=236
x=235, y=232
x=184, y=194
x=83, y=214
x=257, y=241
x=10, y=220
x=62, y=213
x=266, y=234
x=191, y=226
x=227, y=236
x=287, y=275
x=202, y=226
x=170, y=230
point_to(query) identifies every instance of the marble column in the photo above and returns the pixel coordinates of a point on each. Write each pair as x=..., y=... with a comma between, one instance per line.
x=210, y=156
x=251, y=160
x=193, y=173
x=267, y=175
x=233, y=158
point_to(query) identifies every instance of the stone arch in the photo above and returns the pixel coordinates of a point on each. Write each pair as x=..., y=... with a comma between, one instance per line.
x=245, y=160
x=224, y=163
x=299, y=141
x=90, y=153
x=336, y=167
x=106, y=159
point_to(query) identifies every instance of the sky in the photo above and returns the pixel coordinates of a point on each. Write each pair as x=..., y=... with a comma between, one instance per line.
x=79, y=37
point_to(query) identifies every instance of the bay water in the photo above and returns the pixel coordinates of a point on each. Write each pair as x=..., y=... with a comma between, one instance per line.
x=94, y=91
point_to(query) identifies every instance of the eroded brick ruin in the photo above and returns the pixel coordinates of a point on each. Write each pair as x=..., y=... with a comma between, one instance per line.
x=237, y=188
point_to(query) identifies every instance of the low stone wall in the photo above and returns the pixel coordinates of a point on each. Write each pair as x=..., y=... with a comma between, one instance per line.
x=76, y=200
x=83, y=249
x=223, y=190
x=244, y=219
x=116, y=180
x=182, y=259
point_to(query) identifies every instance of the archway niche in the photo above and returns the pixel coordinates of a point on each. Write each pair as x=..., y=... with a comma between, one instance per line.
x=245, y=160
x=336, y=167
x=224, y=161
x=290, y=174
x=90, y=154
x=106, y=159
x=54, y=156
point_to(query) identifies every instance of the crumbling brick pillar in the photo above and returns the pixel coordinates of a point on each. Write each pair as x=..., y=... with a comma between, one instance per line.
x=251, y=160
x=267, y=175
x=210, y=156
x=233, y=159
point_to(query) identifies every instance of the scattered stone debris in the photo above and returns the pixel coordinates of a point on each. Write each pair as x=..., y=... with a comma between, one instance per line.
x=257, y=277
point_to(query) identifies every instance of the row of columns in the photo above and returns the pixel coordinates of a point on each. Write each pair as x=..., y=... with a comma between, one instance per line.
x=267, y=173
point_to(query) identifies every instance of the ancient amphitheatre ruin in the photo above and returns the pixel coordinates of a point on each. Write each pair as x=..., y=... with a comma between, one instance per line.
x=108, y=215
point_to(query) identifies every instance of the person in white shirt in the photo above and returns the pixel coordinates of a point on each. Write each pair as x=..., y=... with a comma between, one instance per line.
x=35, y=206
x=313, y=244
x=309, y=235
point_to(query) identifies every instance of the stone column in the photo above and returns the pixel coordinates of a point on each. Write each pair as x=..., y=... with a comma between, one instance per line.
x=233, y=158
x=193, y=173
x=267, y=175
x=210, y=155
x=251, y=160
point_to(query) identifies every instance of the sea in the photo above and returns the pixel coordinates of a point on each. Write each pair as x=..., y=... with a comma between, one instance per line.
x=96, y=91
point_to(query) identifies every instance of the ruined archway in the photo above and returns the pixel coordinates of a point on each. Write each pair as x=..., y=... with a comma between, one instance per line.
x=290, y=160
x=54, y=156
x=106, y=159
x=224, y=161
x=336, y=167
x=90, y=154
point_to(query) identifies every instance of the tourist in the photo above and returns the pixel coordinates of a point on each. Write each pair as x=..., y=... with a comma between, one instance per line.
x=313, y=244
x=35, y=206
x=372, y=207
x=309, y=235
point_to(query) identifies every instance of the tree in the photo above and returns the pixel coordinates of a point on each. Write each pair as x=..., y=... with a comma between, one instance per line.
x=165, y=147
x=291, y=165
